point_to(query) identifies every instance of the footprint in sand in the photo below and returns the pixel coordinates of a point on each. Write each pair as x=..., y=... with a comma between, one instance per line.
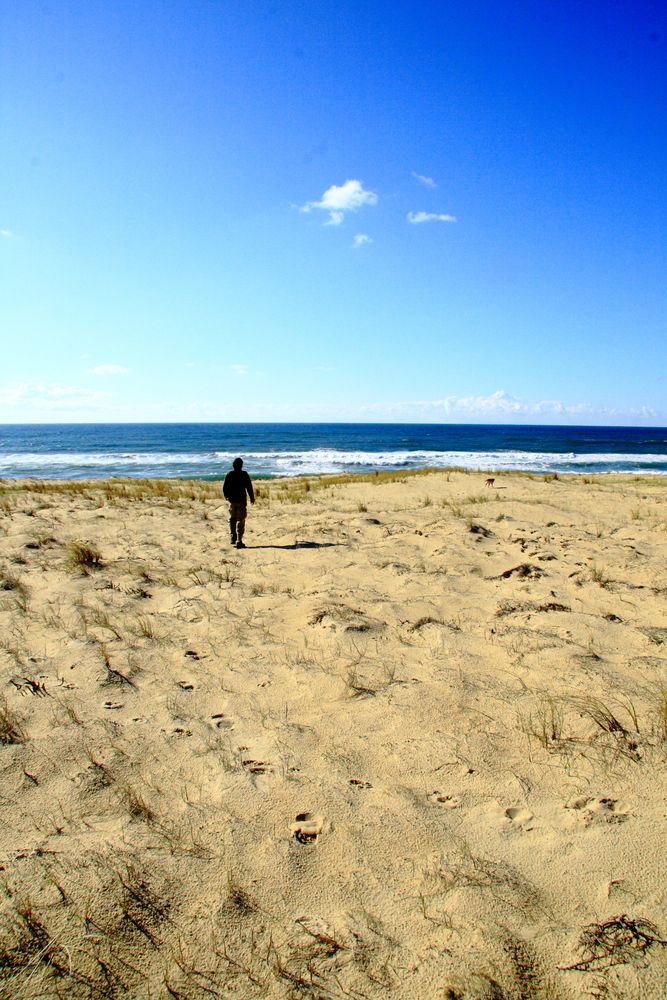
x=446, y=801
x=221, y=722
x=307, y=827
x=598, y=810
x=519, y=817
x=257, y=766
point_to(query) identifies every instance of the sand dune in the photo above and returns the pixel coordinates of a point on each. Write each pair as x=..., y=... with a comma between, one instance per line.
x=410, y=743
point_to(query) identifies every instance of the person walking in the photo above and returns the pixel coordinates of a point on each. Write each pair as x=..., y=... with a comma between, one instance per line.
x=236, y=488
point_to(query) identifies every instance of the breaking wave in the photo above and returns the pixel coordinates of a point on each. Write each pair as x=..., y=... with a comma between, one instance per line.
x=313, y=461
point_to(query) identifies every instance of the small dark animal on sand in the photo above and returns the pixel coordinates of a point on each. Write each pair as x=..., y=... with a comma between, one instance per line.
x=490, y=481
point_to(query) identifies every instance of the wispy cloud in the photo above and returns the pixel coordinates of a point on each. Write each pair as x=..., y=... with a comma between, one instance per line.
x=337, y=200
x=108, y=370
x=361, y=240
x=6, y=233
x=416, y=218
x=502, y=404
x=50, y=396
x=426, y=181
x=239, y=369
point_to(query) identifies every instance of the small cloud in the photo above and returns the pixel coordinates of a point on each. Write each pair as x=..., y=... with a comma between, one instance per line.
x=417, y=217
x=361, y=240
x=426, y=181
x=239, y=369
x=337, y=200
x=6, y=233
x=108, y=370
x=189, y=364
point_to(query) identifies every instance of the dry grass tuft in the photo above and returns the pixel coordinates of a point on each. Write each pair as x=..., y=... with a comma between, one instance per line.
x=83, y=556
x=545, y=723
x=16, y=587
x=599, y=576
x=618, y=941
x=11, y=730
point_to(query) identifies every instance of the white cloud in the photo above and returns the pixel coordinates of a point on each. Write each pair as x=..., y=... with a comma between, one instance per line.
x=108, y=370
x=361, y=240
x=337, y=200
x=50, y=396
x=6, y=233
x=426, y=181
x=503, y=404
x=417, y=217
x=239, y=369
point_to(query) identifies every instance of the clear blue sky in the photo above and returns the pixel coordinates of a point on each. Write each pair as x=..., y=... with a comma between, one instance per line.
x=403, y=211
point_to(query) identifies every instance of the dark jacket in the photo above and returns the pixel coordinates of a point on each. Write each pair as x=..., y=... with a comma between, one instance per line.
x=236, y=485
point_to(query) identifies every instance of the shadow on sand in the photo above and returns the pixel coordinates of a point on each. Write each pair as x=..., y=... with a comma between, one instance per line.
x=298, y=545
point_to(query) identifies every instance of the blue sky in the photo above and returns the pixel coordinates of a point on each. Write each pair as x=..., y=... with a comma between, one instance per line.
x=400, y=211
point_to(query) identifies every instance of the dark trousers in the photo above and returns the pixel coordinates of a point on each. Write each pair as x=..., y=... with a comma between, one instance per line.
x=237, y=515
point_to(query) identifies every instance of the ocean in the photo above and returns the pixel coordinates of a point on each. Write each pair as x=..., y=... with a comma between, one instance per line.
x=205, y=451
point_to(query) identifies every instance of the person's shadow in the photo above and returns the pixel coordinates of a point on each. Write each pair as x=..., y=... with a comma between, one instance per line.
x=297, y=545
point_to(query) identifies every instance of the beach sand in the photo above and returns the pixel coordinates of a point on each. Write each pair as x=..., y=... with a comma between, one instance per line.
x=410, y=743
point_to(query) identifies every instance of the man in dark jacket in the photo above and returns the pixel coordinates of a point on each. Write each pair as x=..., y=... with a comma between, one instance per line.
x=236, y=486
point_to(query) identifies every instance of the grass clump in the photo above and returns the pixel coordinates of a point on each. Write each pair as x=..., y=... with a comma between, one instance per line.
x=9, y=583
x=599, y=576
x=618, y=941
x=11, y=730
x=83, y=556
x=545, y=723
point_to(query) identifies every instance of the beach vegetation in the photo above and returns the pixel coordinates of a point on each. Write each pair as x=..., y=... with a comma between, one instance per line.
x=545, y=722
x=99, y=618
x=598, y=575
x=145, y=627
x=455, y=509
x=135, y=802
x=112, y=674
x=14, y=585
x=201, y=575
x=11, y=727
x=620, y=940
x=83, y=556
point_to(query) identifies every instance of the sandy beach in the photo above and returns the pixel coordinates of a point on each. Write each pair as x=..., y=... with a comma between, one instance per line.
x=410, y=743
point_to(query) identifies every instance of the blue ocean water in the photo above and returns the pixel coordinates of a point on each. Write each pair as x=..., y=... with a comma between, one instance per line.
x=204, y=451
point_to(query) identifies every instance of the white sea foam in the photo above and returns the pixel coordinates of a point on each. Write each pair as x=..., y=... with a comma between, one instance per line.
x=102, y=459
x=314, y=461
